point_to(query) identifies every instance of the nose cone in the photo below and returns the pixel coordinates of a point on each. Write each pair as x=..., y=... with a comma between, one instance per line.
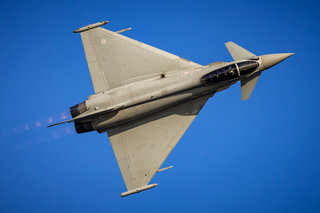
x=273, y=59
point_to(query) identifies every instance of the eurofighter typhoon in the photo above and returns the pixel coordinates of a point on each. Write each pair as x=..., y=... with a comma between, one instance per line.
x=146, y=98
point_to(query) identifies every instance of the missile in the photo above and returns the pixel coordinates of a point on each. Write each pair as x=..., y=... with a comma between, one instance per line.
x=121, y=31
x=90, y=26
x=163, y=169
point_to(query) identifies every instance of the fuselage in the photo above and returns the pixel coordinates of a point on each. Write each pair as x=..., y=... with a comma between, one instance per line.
x=146, y=98
x=106, y=110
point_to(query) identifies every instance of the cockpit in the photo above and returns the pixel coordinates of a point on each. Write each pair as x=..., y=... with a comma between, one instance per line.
x=247, y=67
x=222, y=74
x=230, y=72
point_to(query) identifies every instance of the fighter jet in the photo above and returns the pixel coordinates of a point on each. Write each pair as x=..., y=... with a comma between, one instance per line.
x=146, y=98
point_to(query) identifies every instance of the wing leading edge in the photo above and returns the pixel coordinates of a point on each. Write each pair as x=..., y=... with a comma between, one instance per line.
x=142, y=146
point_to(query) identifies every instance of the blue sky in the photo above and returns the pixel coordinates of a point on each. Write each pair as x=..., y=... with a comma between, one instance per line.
x=261, y=155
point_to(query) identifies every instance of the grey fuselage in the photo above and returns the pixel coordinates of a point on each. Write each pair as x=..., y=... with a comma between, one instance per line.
x=106, y=110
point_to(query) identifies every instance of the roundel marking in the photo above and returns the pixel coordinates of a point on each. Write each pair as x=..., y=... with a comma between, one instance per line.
x=103, y=41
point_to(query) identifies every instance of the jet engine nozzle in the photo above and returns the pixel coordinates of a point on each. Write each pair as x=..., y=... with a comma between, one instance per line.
x=273, y=59
x=83, y=127
x=78, y=109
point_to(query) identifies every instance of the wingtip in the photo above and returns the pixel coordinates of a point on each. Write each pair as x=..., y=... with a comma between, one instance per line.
x=137, y=190
x=90, y=26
